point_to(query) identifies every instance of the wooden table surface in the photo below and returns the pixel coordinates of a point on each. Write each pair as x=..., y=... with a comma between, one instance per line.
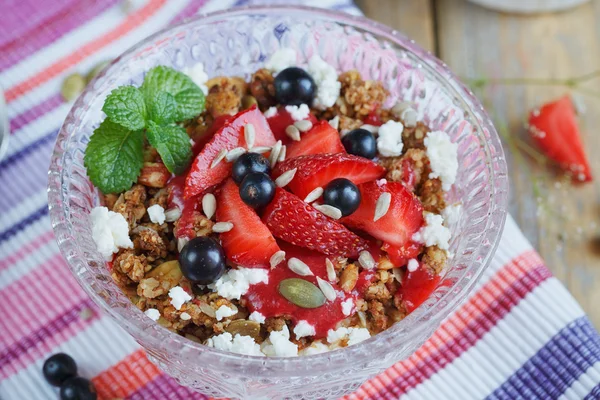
x=560, y=219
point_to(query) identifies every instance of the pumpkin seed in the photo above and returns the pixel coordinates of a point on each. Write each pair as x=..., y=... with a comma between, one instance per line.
x=72, y=86
x=301, y=293
x=248, y=101
x=244, y=328
x=96, y=70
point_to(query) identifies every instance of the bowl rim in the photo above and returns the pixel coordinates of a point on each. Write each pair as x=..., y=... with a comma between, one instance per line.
x=301, y=365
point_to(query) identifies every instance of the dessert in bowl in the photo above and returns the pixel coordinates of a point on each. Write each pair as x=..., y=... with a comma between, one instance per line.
x=317, y=220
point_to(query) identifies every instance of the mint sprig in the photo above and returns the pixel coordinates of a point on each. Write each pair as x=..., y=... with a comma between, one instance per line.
x=114, y=156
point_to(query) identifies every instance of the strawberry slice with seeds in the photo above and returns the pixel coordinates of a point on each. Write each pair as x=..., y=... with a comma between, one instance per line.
x=249, y=243
x=282, y=120
x=291, y=219
x=228, y=137
x=555, y=131
x=399, y=255
x=416, y=287
x=402, y=219
x=321, y=139
x=317, y=170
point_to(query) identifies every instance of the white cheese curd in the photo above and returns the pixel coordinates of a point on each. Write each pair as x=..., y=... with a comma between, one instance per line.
x=298, y=113
x=271, y=112
x=347, y=306
x=224, y=312
x=433, y=233
x=197, y=74
x=315, y=348
x=354, y=335
x=257, y=317
x=451, y=214
x=389, y=141
x=412, y=265
x=278, y=344
x=335, y=335
x=178, y=297
x=110, y=232
x=328, y=87
x=153, y=314
x=281, y=59
x=238, y=344
x=156, y=214
x=303, y=328
x=443, y=157
x=236, y=282
x=185, y=316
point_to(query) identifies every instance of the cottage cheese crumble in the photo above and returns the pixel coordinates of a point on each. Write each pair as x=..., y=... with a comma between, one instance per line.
x=433, y=233
x=153, y=314
x=328, y=86
x=197, y=74
x=224, y=312
x=347, y=306
x=178, y=297
x=412, y=265
x=156, y=214
x=389, y=141
x=257, y=317
x=451, y=214
x=271, y=112
x=236, y=282
x=238, y=344
x=315, y=348
x=354, y=335
x=298, y=113
x=110, y=232
x=443, y=157
x=278, y=344
x=281, y=59
x=303, y=328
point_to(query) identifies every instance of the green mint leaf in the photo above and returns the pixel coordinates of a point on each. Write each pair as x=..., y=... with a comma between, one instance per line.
x=125, y=106
x=162, y=108
x=189, y=97
x=114, y=157
x=173, y=144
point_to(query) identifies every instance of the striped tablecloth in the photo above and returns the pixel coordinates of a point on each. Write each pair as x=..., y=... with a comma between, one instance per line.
x=521, y=335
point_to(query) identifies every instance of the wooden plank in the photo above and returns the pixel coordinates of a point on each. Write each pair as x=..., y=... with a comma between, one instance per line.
x=558, y=218
x=411, y=17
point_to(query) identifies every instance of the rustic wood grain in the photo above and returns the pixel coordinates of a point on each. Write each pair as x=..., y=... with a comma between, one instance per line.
x=412, y=17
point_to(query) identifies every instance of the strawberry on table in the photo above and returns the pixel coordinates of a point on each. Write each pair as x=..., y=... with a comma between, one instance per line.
x=291, y=219
x=281, y=120
x=554, y=129
x=321, y=139
x=249, y=243
x=228, y=137
x=403, y=218
x=317, y=170
x=416, y=287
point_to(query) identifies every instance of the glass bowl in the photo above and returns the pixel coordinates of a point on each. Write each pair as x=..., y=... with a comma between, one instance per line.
x=237, y=42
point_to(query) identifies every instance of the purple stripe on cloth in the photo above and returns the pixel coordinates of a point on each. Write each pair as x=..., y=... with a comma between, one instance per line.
x=189, y=10
x=50, y=29
x=25, y=151
x=50, y=329
x=165, y=387
x=24, y=223
x=35, y=112
x=594, y=394
x=555, y=366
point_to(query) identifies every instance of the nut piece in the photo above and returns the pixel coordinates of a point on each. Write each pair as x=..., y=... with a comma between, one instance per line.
x=154, y=175
x=349, y=277
x=244, y=328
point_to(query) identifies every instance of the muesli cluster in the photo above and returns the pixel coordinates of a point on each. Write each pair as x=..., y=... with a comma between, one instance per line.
x=286, y=215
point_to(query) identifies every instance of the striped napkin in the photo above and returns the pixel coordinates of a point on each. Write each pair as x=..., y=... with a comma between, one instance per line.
x=521, y=334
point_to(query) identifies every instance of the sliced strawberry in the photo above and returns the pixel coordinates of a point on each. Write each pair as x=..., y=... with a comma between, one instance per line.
x=373, y=119
x=409, y=178
x=554, y=129
x=416, y=287
x=229, y=136
x=291, y=219
x=403, y=218
x=203, y=138
x=249, y=243
x=321, y=139
x=399, y=255
x=282, y=120
x=317, y=170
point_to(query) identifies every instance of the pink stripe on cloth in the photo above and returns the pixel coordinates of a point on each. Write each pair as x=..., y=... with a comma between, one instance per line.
x=26, y=250
x=165, y=387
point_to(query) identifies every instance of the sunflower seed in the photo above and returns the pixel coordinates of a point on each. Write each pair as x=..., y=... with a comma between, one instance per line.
x=209, y=205
x=182, y=241
x=249, y=135
x=282, y=153
x=363, y=318
x=185, y=316
x=314, y=195
x=304, y=125
x=382, y=206
x=400, y=107
x=370, y=128
x=276, y=258
x=172, y=214
x=335, y=122
x=302, y=293
x=260, y=149
x=299, y=267
x=274, y=156
x=366, y=260
x=397, y=272
x=409, y=117
x=293, y=133
x=331, y=275
x=208, y=310
x=218, y=158
x=221, y=227
x=286, y=178
x=327, y=289
x=235, y=153
x=328, y=210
